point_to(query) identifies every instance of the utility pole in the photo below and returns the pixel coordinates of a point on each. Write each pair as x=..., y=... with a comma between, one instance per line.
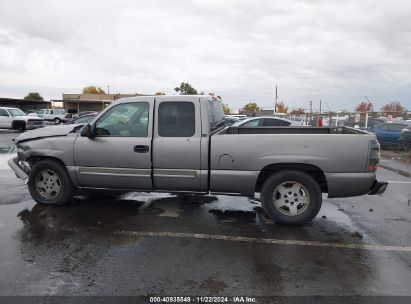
x=320, y=105
x=108, y=89
x=276, y=99
x=311, y=106
x=372, y=113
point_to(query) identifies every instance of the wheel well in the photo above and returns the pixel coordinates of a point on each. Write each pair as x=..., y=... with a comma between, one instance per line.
x=17, y=123
x=314, y=171
x=32, y=160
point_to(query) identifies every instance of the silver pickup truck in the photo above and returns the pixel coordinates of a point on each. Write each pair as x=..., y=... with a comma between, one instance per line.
x=181, y=144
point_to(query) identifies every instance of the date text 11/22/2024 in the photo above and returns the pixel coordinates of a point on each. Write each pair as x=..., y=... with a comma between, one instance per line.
x=203, y=299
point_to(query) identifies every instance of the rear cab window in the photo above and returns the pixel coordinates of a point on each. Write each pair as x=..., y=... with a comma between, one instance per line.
x=176, y=119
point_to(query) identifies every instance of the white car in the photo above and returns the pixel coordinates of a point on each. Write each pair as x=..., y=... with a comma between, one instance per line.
x=264, y=122
x=16, y=119
x=56, y=115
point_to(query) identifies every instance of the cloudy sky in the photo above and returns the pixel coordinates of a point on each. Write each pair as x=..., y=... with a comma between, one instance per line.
x=337, y=51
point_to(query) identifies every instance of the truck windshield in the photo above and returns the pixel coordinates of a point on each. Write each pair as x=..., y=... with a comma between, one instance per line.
x=16, y=112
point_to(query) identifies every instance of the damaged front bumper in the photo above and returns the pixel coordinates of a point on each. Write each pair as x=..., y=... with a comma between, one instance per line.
x=378, y=188
x=20, y=169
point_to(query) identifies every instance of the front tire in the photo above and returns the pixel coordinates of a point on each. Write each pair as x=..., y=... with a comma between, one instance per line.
x=50, y=184
x=291, y=197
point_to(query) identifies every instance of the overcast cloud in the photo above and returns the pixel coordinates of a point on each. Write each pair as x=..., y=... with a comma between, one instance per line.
x=336, y=51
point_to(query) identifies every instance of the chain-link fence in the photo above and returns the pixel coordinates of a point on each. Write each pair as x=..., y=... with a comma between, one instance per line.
x=358, y=120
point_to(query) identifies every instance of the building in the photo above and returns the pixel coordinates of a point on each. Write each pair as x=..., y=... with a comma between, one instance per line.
x=25, y=105
x=76, y=103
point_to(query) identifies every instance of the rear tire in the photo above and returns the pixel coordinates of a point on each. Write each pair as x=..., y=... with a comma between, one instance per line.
x=57, y=121
x=50, y=184
x=291, y=197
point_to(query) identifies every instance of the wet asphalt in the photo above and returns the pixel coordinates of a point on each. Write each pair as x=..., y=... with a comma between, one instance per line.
x=163, y=244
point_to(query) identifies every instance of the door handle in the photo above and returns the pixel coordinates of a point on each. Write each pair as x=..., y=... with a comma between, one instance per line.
x=141, y=149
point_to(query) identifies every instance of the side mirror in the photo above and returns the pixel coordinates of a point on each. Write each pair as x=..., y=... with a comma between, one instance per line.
x=88, y=131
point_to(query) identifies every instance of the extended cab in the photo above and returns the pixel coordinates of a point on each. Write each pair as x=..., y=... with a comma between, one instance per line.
x=56, y=115
x=16, y=119
x=180, y=144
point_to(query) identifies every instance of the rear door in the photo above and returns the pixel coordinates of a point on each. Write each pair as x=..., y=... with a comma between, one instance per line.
x=119, y=157
x=177, y=144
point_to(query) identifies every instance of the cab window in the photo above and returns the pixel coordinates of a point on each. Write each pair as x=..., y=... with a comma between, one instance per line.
x=383, y=127
x=4, y=113
x=176, y=119
x=124, y=120
x=396, y=127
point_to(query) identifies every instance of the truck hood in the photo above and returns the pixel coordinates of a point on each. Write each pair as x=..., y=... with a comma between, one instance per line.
x=54, y=131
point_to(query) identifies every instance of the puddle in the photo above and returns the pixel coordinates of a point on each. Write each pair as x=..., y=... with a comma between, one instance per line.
x=234, y=215
x=173, y=206
x=170, y=208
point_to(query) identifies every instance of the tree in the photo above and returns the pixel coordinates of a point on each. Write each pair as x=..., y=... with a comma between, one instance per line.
x=364, y=107
x=281, y=107
x=394, y=106
x=185, y=89
x=226, y=109
x=160, y=93
x=251, y=107
x=93, y=90
x=33, y=96
x=297, y=111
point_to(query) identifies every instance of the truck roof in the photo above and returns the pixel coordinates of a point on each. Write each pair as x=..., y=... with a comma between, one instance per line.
x=171, y=97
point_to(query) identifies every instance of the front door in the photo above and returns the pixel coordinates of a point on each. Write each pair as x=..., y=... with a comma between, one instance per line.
x=5, y=120
x=177, y=144
x=119, y=156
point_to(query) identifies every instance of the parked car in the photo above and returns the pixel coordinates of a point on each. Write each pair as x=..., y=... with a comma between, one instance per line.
x=405, y=138
x=388, y=134
x=81, y=120
x=56, y=115
x=16, y=119
x=230, y=120
x=180, y=144
x=265, y=122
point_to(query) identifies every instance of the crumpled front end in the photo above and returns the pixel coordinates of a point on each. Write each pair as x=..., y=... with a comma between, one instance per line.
x=20, y=168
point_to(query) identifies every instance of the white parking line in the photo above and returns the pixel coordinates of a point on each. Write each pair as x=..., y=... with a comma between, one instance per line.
x=398, y=182
x=262, y=240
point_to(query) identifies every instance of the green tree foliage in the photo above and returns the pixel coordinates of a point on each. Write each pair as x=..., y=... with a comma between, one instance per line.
x=251, y=107
x=186, y=89
x=226, y=109
x=93, y=90
x=33, y=96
